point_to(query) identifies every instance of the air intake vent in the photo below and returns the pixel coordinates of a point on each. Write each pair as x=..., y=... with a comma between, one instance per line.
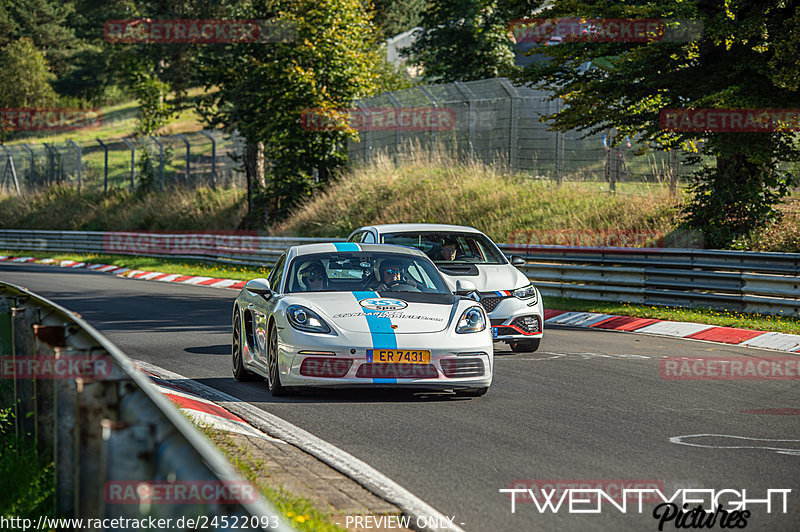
x=397, y=371
x=465, y=367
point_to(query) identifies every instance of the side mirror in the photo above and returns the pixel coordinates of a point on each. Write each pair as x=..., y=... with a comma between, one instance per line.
x=516, y=260
x=260, y=287
x=465, y=287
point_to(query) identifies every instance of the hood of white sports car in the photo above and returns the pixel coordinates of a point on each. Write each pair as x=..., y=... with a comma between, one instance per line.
x=487, y=277
x=385, y=312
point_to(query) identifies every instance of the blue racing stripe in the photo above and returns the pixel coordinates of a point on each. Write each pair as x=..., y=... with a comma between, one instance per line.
x=380, y=329
x=347, y=246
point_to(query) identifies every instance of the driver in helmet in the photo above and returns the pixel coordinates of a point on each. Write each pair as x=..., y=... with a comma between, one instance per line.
x=313, y=277
x=392, y=275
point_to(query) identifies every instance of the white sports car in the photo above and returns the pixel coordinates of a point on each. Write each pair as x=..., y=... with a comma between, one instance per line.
x=349, y=315
x=464, y=253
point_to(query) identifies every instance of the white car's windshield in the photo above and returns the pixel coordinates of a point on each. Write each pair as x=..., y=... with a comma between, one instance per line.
x=364, y=271
x=449, y=246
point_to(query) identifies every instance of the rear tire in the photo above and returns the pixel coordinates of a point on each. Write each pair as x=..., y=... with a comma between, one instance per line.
x=276, y=389
x=525, y=346
x=239, y=371
x=473, y=392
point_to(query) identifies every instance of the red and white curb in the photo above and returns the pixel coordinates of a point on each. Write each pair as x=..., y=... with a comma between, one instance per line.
x=592, y=320
x=207, y=413
x=135, y=274
x=676, y=329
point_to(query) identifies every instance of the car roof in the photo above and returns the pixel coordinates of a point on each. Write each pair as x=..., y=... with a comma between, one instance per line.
x=400, y=228
x=332, y=247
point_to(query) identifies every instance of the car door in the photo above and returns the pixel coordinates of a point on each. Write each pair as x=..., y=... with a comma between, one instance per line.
x=263, y=311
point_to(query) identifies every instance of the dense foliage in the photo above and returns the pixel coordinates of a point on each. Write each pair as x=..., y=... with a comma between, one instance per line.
x=745, y=58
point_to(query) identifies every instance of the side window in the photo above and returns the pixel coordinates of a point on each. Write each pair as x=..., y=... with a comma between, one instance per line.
x=368, y=238
x=276, y=274
x=356, y=237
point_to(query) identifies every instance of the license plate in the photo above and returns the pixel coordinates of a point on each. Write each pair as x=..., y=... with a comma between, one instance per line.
x=494, y=332
x=398, y=356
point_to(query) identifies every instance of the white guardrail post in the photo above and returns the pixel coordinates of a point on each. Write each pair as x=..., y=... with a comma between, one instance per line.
x=121, y=449
x=733, y=280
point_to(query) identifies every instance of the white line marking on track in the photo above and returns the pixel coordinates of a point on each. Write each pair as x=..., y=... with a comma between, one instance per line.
x=344, y=462
x=739, y=442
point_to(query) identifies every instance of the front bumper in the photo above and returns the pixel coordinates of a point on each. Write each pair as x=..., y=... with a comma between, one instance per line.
x=514, y=319
x=458, y=361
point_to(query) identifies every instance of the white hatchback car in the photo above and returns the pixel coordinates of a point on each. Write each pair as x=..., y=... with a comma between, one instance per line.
x=513, y=303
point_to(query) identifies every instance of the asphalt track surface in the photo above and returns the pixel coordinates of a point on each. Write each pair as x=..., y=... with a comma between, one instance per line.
x=589, y=405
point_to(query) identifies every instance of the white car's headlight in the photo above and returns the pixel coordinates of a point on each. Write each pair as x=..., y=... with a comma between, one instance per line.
x=525, y=292
x=305, y=319
x=471, y=321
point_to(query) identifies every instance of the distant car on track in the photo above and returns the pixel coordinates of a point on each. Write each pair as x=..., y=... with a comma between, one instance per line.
x=513, y=303
x=341, y=315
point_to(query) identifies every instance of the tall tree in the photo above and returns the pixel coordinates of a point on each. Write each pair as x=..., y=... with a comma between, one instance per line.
x=746, y=57
x=24, y=76
x=462, y=40
x=396, y=16
x=327, y=61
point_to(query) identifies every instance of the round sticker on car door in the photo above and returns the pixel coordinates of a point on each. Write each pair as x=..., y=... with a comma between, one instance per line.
x=383, y=304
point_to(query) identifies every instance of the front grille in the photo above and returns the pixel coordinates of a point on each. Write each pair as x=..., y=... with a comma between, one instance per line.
x=496, y=321
x=506, y=331
x=397, y=371
x=490, y=303
x=528, y=324
x=325, y=367
x=466, y=367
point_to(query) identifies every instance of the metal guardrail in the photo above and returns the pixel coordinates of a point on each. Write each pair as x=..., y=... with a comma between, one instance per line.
x=734, y=280
x=112, y=435
x=761, y=282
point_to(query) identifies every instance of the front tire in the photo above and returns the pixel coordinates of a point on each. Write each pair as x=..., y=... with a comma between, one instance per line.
x=525, y=346
x=276, y=389
x=237, y=344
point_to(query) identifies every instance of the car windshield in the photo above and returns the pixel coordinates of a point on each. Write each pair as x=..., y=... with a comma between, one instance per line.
x=364, y=271
x=449, y=247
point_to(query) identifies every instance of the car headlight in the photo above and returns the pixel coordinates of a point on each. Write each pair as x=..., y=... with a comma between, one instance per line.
x=525, y=292
x=471, y=321
x=305, y=319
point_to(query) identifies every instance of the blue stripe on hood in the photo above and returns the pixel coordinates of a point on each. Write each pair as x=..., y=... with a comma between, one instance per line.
x=380, y=329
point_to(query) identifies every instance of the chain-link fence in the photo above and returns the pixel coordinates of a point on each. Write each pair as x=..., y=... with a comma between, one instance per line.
x=192, y=159
x=498, y=123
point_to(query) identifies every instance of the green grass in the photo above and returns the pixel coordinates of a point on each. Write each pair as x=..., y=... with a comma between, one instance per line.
x=178, y=209
x=297, y=511
x=27, y=488
x=428, y=187
x=725, y=318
